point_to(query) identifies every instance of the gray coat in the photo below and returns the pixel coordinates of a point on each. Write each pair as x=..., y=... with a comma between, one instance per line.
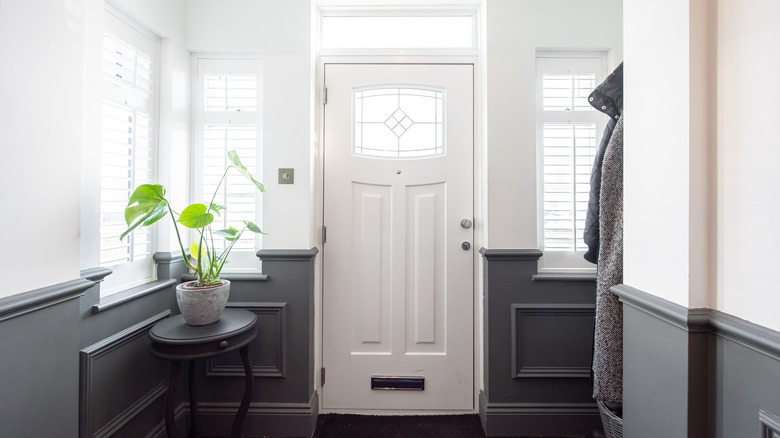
x=604, y=237
x=608, y=336
x=607, y=98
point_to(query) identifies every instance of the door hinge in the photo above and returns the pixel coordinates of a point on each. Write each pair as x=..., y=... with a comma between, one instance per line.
x=325, y=96
x=324, y=233
x=322, y=376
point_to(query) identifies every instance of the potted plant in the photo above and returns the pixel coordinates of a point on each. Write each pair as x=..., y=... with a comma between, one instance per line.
x=202, y=300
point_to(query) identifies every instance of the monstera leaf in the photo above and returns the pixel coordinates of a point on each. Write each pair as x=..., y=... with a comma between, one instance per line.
x=146, y=206
x=196, y=216
x=194, y=250
x=253, y=228
x=230, y=234
x=235, y=163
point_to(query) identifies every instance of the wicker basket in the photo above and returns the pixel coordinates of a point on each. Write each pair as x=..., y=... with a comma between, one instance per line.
x=613, y=425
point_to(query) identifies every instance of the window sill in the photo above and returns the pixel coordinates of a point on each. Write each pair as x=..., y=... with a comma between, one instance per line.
x=234, y=276
x=584, y=276
x=131, y=294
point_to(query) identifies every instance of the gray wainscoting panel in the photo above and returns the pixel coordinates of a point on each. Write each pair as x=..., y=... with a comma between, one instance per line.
x=655, y=368
x=770, y=425
x=538, y=337
x=121, y=384
x=38, y=364
x=75, y=364
x=284, y=401
x=267, y=352
x=544, y=344
x=119, y=380
x=696, y=372
x=747, y=373
x=265, y=419
x=39, y=299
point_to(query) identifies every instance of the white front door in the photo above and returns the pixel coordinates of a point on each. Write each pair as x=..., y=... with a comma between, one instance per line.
x=398, y=262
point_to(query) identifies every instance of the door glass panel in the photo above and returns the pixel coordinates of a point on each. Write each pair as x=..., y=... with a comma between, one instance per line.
x=399, y=122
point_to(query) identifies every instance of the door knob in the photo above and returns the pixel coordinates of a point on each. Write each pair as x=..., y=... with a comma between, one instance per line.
x=465, y=245
x=466, y=223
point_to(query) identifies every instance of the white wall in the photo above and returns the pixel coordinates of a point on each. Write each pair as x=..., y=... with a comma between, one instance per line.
x=280, y=33
x=701, y=195
x=656, y=158
x=515, y=30
x=40, y=138
x=49, y=127
x=748, y=156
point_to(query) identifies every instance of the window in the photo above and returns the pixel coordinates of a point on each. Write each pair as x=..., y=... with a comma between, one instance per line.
x=380, y=31
x=227, y=116
x=128, y=145
x=568, y=133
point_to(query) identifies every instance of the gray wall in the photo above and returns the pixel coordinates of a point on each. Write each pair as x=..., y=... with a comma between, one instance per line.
x=76, y=366
x=39, y=365
x=538, y=337
x=284, y=402
x=696, y=372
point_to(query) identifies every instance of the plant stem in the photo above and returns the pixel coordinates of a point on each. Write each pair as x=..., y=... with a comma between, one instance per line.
x=200, y=242
x=178, y=237
x=227, y=251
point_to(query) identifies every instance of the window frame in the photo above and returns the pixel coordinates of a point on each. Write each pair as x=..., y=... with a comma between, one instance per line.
x=241, y=260
x=552, y=62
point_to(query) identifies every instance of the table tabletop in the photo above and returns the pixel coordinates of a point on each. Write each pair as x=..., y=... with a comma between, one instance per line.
x=172, y=338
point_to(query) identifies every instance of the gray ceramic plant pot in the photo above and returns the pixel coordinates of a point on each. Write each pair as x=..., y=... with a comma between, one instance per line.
x=202, y=305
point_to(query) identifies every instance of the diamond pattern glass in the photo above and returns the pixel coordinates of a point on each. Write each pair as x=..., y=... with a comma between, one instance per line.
x=395, y=122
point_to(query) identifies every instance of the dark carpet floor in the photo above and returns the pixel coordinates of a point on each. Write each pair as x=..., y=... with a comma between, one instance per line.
x=368, y=426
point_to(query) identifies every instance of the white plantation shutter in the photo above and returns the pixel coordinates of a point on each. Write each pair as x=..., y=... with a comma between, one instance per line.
x=567, y=92
x=568, y=132
x=127, y=142
x=125, y=163
x=228, y=118
x=569, y=150
x=236, y=192
x=126, y=67
x=230, y=92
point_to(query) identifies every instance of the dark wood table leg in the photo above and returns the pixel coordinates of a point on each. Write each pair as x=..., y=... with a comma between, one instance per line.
x=173, y=384
x=238, y=423
x=194, y=423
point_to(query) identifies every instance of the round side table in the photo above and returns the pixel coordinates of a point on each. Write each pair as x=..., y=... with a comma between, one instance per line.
x=176, y=341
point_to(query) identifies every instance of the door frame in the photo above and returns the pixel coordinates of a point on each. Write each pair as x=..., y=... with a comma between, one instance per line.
x=479, y=185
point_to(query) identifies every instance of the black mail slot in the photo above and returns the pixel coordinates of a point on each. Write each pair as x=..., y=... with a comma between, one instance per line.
x=412, y=383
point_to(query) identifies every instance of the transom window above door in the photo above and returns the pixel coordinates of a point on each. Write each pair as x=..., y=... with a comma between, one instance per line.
x=362, y=29
x=399, y=122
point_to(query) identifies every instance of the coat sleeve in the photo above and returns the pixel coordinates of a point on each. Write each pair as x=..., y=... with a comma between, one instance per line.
x=608, y=99
x=591, y=234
